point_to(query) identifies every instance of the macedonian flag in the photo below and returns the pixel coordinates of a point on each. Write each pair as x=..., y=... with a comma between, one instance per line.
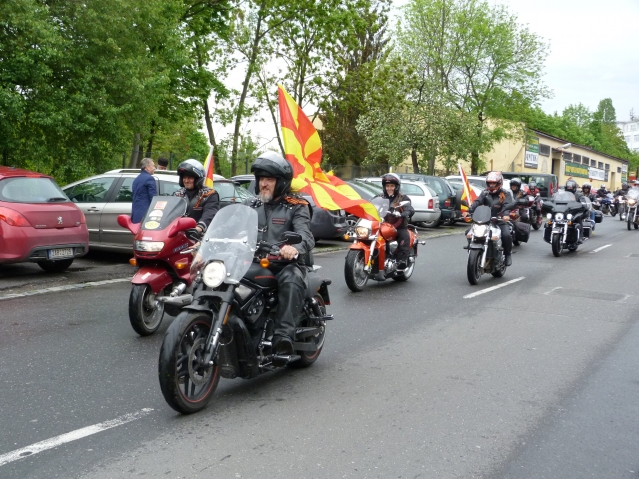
x=468, y=194
x=304, y=151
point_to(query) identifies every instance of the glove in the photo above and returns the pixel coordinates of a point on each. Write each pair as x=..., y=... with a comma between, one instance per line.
x=193, y=234
x=397, y=213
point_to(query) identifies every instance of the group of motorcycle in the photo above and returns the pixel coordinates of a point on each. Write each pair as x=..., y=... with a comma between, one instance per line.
x=224, y=295
x=626, y=206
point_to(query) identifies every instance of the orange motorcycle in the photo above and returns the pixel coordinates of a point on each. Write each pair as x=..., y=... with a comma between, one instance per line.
x=373, y=252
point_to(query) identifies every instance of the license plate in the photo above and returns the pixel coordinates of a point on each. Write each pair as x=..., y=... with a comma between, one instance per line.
x=61, y=253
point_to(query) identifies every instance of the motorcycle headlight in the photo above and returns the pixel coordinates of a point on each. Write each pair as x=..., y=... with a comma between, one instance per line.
x=631, y=202
x=362, y=232
x=559, y=216
x=214, y=274
x=480, y=231
x=549, y=216
x=568, y=216
x=149, y=245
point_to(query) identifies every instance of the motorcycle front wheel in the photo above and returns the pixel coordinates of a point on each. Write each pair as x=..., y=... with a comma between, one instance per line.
x=629, y=223
x=187, y=383
x=145, y=314
x=536, y=222
x=557, y=247
x=354, y=273
x=473, y=268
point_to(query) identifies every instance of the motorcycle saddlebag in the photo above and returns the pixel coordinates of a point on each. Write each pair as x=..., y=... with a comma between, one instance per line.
x=522, y=231
x=598, y=216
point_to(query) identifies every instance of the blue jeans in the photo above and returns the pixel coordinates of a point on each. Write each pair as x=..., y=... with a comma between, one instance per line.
x=592, y=218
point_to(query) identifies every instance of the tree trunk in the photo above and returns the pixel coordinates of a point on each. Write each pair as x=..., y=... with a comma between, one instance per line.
x=149, y=145
x=245, y=87
x=413, y=156
x=209, y=129
x=431, y=162
x=133, y=161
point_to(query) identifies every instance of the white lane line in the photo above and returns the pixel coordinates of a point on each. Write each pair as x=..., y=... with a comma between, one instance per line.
x=552, y=290
x=70, y=436
x=68, y=287
x=600, y=248
x=493, y=288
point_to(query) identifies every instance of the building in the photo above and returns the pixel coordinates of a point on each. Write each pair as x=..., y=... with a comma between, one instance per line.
x=630, y=131
x=544, y=153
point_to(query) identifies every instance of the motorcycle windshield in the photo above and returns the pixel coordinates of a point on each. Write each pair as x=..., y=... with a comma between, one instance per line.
x=586, y=202
x=482, y=214
x=162, y=212
x=231, y=238
x=382, y=205
x=563, y=196
x=633, y=193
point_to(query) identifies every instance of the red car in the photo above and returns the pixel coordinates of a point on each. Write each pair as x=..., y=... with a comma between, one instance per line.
x=38, y=223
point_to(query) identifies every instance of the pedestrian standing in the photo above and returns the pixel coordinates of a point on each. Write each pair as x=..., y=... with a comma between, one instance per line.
x=162, y=163
x=143, y=190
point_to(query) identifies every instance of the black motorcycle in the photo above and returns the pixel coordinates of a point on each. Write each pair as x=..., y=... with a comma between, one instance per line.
x=485, y=250
x=568, y=223
x=227, y=330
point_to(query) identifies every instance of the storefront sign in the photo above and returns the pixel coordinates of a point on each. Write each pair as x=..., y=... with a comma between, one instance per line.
x=576, y=169
x=532, y=153
x=597, y=174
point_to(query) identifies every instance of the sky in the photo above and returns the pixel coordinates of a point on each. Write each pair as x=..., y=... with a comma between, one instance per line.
x=594, y=50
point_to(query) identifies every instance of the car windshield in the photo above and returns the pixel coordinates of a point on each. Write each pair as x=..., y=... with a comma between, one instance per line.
x=31, y=190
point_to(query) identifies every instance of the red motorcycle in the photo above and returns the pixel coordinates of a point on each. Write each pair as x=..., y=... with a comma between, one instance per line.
x=373, y=253
x=162, y=252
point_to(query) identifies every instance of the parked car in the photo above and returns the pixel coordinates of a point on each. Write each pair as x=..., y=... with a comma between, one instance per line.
x=325, y=224
x=478, y=183
x=104, y=197
x=38, y=223
x=423, y=199
x=546, y=183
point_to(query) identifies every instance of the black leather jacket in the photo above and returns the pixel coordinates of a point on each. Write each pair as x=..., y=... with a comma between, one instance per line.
x=500, y=202
x=203, y=204
x=407, y=210
x=289, y=213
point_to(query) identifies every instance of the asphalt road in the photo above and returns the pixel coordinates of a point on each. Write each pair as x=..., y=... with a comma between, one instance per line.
x=536, y=379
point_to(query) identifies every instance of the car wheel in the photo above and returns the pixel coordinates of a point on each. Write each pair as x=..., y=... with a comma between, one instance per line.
x=55, y=266
x=430, y=224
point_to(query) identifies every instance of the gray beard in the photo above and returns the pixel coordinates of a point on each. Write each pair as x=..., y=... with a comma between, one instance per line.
x=266, y=198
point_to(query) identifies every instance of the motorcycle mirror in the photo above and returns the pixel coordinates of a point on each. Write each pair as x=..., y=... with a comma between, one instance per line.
x=290, y=237
x=404, y=203
x=182, y=224
x=125, y=222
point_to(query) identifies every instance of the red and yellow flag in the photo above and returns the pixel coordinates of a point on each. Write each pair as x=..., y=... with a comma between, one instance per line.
x=468, y=195
x=304, y=151
x=209, y=167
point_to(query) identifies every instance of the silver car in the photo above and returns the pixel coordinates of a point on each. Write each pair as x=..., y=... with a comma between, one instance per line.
x=102, y=198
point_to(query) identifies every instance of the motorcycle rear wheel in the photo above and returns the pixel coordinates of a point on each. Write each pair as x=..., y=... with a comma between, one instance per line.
x=473, y=268
x=309, y=357
x=186, y=383
x=354, y=274
x=406, y=274
x=145, y=316
x=557, y=247
x=536, y=222
x=501, y=271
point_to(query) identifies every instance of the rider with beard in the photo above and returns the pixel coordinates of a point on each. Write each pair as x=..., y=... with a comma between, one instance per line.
x=203, y=202
x=280, y=211
x=500, y=201
x=392, y=185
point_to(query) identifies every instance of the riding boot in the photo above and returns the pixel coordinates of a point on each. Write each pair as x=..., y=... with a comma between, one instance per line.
x=290, y=304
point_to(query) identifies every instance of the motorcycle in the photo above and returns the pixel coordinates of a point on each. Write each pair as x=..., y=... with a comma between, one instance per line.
x=372, y=254
x=608, y=205
x=227, y=329
x=535, y=216
x=162, y=252
x=485, y=250
x=632, y=199
x=568, y=223
x=620, y=203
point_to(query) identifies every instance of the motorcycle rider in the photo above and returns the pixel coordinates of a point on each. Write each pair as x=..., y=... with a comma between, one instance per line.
x=623, y=191
x=392, y=184
x=571, y=187
x=500, y=202
x=532, y=188
x=203, y=202
x=586, y=190
x=602, y=191
x=518, y=192
x=280, y=211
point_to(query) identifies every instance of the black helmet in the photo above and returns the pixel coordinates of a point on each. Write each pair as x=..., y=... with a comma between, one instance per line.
x=192, y=168
x=532, y=185
x=571, y=185
x=586, y=185
x=624, y=186
x=516, y=182
x=271, y=164
x=391, y=178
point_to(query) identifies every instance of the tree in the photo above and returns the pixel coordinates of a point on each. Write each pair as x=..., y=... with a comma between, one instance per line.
x=478, y=55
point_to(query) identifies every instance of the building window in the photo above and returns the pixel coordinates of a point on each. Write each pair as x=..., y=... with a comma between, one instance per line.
x=633, y=127
x=607, y=166
x=576, y=158
x=619, y=169
x=600, y=165
x=593, y=163
x=585, y=161
x=544, y=150
x=567, y=156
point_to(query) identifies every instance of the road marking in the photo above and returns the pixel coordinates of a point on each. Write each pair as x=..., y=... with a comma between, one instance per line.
x=70, y=436
x=55, y=289
x=600, y=248
x=493, y=288
x=552, y=290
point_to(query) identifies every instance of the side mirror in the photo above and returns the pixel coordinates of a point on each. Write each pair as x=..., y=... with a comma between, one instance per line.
x=182, y=224
x=125, y=222
x=404, y=203
x=291, y=238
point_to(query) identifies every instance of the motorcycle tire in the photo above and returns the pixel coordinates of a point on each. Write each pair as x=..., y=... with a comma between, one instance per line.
x=536, y=222
x=516, y=242
x=629, y=223
x=187, y=386
x=354, y=274
x=406, y=274
x=473, y=268
x=501, y=271
x=557, y=247
x=636, y=226
x=145, y=318
x=613, y=212
x=309, y=357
